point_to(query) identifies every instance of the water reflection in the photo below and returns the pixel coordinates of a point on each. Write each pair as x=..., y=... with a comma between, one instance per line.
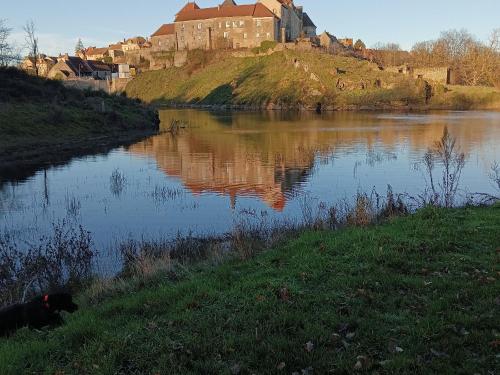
x=270, y=155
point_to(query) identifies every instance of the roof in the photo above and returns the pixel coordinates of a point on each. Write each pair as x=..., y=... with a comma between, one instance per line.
x=189, y=7
x=306, y=20
x=81, y=66
x=136, y=40
x=115, y=47
x=254, y=10
x=166, y=29
x=95, y=51
x=100, y=66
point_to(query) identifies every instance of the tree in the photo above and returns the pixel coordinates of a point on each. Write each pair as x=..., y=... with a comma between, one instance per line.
x=32, y=44
x=359, y=45
x=79, y=46
x=390, y=54
x=7, y=53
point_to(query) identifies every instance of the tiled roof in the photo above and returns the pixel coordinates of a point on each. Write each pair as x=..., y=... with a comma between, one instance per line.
x=167, y=29
x=95, y=51
x=115, y=47
x=254, y=10
x=306, y=21
x=189, y=7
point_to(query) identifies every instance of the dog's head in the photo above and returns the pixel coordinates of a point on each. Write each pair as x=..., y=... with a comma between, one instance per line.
x=59, y=302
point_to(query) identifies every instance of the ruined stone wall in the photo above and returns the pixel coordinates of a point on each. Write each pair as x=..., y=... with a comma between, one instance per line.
x=436, y=75
x=220, y=33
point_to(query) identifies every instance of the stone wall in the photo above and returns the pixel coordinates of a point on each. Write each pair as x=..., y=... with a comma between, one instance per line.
x=163, y=43
x=436, y=75
x=88, y=84
x=440, y=75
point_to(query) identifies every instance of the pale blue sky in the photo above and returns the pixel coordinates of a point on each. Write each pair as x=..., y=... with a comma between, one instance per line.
x=60, y=23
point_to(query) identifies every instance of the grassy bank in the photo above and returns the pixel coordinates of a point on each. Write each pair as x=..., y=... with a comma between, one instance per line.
x=42, y=121
x=418, y=294
x=292, y=79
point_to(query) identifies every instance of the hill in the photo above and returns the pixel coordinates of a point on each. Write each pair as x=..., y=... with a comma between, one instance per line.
x=293, y=79
x=406, y=297
x=42, y=121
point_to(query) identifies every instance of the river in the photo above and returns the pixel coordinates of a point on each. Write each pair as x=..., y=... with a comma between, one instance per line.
x=224, y=165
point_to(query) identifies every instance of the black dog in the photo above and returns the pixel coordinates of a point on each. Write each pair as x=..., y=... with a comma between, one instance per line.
x=39, y=312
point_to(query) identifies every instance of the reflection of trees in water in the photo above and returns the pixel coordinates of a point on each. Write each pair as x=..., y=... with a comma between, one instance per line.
x=269, y=154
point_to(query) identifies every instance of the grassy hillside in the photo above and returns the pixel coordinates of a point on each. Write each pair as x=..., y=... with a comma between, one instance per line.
x=287, y=79
x=40, y=117
x=409, y=297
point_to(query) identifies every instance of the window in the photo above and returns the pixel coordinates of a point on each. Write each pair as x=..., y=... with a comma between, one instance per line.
x=235, y=24
x=226, y=35
x=228, y=24
x=258, y=35
x=259, y=23
x=242, y=23
x=245, y=35
x=268, y=35
x=182, y=26
x=200, y=25
x=220, y=25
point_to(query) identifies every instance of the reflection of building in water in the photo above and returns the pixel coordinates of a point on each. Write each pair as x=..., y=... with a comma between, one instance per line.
x=227, y=165
x=269, y=155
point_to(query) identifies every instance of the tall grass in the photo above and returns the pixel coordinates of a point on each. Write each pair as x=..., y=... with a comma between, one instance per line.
x=59, y=261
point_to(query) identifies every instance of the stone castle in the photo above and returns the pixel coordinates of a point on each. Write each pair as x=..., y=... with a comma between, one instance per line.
x=232, y=26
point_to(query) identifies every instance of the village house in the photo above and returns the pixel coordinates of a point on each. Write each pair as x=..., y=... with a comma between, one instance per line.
x=330, y=43
x=233, y=26
x=115, y=51
x=94, y=53
x=134, y=44
x=43, y=64
x=75, y=67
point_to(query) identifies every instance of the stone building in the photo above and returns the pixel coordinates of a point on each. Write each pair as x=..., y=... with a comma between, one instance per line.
x=43, y=64
x=308, y=26
x=225, y=26
x=293, y=21
x=233, y=26
x=164, y=38
x=134, y=44
x=330, y=43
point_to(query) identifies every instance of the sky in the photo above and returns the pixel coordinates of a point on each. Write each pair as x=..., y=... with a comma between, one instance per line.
x=100, y=23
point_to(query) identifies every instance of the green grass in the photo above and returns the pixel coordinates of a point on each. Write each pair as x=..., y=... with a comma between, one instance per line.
x=337, y=82
x=36, y=112
x=417, y=295
x=467, y=97
x=273, y=79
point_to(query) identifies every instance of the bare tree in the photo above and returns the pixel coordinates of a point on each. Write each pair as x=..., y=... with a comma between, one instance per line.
x=32, y=44
x=7, y=52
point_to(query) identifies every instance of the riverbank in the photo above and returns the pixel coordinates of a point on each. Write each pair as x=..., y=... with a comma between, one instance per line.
x=408, y=296
x=43, y=123
x=294, y=80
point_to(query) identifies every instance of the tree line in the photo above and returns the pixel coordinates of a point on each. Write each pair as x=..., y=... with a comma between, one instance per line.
x=473, y=62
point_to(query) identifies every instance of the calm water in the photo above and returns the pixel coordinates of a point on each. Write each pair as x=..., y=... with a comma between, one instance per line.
x=200, y=180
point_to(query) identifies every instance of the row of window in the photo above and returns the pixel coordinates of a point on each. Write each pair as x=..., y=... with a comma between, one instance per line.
x=245, y=35
x=229, y=24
